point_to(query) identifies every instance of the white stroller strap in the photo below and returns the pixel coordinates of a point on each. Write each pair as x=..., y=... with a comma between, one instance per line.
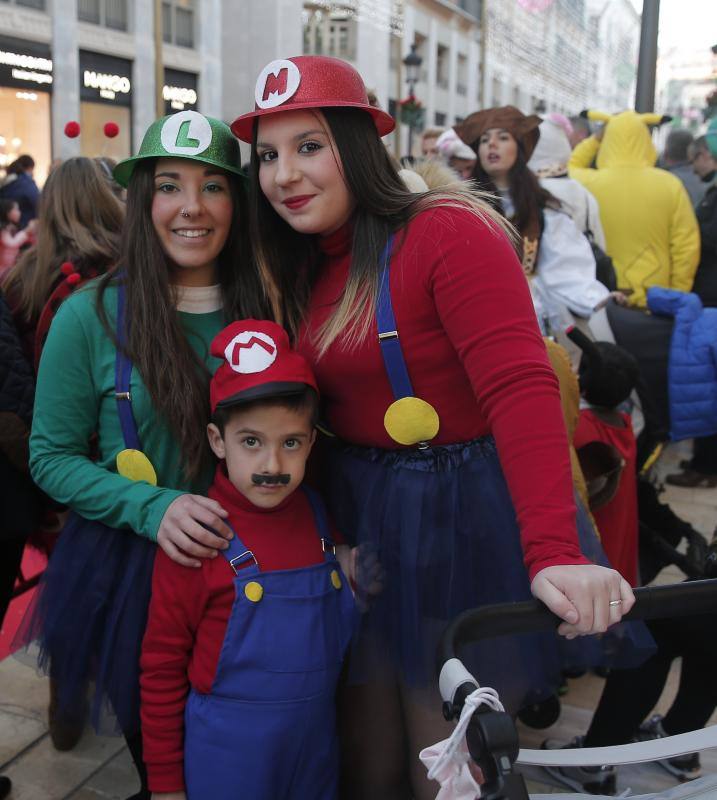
x=447, y=761
x=634, y=753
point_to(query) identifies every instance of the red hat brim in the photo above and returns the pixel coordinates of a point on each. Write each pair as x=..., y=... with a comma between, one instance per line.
x=243, y=126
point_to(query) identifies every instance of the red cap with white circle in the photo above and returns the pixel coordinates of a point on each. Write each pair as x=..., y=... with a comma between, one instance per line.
x=309, y=82
x=257, y=362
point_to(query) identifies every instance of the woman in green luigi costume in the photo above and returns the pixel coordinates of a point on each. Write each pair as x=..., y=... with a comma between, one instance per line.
x=127, y=358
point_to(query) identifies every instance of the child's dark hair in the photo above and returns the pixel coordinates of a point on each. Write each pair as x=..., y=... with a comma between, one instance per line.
x=607, y=374
x=6, y=207
x=308, y=401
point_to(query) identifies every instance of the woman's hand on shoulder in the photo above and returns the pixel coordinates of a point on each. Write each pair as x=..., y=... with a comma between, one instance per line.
x=584, y=595
x=184, y=533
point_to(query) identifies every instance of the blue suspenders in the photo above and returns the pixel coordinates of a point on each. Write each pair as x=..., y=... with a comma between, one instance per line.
x=123, y=373
x=391, y=350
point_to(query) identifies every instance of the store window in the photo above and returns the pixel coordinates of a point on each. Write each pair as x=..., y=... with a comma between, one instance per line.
x=25, y=107
x=106, y=96
x=109, y=13
x=178, y=21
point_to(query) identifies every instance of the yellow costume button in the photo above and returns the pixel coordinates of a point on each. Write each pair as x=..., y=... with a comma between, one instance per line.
x=135, y=465
x=254, y=591
x=335, y=579
x=411, y=420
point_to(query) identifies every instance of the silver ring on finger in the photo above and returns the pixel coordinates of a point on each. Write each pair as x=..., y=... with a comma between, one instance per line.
x=615, y=603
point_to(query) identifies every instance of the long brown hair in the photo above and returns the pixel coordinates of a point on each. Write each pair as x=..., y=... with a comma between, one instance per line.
x=528, y=196
x=80, y=220
x=175, y=376
x=383, y=206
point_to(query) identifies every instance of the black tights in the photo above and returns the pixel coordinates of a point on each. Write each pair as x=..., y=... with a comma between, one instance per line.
x=630, y=694
x=134, y=745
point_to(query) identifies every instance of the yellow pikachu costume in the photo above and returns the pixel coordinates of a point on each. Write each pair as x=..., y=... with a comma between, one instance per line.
x=650, y=227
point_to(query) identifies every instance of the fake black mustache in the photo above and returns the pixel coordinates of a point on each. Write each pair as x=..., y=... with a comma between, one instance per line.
x=270, y=480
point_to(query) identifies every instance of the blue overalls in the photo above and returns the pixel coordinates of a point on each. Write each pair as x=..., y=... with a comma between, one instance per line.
x=267, y=729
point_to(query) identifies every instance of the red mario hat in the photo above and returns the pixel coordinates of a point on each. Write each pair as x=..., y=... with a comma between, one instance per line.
x=309, y=82
x=257, y=362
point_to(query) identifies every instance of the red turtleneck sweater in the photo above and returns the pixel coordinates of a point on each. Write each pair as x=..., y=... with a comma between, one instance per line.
x=473, y=350
x=188, y=617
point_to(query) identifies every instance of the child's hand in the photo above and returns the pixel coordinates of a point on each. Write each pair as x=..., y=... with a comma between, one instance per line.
x=183, y=531
x=169, y=796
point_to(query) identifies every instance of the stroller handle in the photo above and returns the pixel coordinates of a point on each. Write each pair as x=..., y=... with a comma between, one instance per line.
x=651, y=602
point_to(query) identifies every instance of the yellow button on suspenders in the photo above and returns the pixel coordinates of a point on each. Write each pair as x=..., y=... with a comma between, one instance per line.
x=254, y=591
x=411, y=420
x=335, y=579
x=135, y=465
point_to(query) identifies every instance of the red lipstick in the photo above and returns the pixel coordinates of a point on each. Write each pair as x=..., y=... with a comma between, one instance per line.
x=298, y=201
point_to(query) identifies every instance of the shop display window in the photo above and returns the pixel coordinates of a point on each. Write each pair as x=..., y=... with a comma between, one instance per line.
x=25, y=128
x=93, y=141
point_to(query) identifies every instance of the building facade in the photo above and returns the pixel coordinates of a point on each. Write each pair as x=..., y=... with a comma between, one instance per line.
x=561, y=55
x=93, y=61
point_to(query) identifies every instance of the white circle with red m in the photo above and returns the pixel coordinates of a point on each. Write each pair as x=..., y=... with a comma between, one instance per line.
x=277, y=83
x=250, y=351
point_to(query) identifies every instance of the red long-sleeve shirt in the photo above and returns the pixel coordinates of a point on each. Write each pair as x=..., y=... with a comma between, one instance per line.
x=473, y=350
x=188, y=617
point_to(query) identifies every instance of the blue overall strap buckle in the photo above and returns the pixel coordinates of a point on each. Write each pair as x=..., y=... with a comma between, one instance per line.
x=328, y=546
x=237, y=554
x=123, y=373
x=237, y=562
x=391, y=350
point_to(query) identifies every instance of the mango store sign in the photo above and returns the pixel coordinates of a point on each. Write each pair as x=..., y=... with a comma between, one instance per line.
x=109, y=86
x=179, y=97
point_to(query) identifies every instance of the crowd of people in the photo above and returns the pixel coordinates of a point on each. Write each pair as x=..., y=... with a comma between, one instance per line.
x=283, y=419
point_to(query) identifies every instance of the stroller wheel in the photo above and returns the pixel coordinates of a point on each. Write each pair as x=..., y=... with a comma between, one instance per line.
x=542, y=714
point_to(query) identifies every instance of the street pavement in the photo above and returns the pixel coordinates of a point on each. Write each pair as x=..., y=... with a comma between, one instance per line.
x=100, y=767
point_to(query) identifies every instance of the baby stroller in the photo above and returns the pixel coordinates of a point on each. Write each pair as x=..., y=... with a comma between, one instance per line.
x=491, y=736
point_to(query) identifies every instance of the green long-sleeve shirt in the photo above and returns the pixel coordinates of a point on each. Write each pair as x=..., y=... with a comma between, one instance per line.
x=76, y=398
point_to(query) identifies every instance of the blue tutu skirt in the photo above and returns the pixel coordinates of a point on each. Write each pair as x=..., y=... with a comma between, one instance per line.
x=89, y=616
x=437, y=534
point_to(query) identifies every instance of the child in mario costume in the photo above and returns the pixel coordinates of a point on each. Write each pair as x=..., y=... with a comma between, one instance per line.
x=241, y=656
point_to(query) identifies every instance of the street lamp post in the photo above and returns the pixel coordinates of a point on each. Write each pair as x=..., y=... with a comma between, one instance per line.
x=412, y=62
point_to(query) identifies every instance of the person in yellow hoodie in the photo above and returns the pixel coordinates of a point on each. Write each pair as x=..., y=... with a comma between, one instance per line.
x=650, y=227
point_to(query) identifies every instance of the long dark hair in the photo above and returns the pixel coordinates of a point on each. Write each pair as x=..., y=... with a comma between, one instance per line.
x=384, y=205
x=528, y=196
x=175, y=376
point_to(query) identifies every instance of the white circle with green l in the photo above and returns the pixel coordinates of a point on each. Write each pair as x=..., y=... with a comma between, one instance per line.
x=187, y=133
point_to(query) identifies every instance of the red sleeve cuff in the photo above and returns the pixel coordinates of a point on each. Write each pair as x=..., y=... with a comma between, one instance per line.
x=166, y=777
x=555, y=561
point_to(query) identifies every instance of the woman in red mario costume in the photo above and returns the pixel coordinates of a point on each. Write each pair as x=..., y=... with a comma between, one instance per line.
x=450, y=466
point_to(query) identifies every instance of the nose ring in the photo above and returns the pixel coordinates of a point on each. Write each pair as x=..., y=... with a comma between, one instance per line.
x=184, y=213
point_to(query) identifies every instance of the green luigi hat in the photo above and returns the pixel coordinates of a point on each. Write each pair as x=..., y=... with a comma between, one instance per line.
x=187, y=134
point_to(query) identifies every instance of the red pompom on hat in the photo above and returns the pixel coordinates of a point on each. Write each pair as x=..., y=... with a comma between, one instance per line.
x=257, y=362
x=111, y=129
x=72, y=129
x=309, y=82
